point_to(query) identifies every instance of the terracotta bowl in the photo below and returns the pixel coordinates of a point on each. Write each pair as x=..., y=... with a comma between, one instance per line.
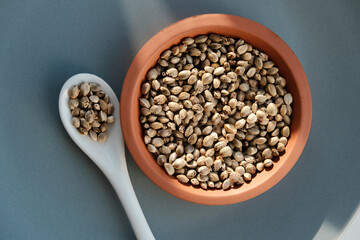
x=261, y=38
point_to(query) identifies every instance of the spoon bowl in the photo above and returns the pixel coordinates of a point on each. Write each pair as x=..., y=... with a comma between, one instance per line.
x=108, y=156
x=95, y=150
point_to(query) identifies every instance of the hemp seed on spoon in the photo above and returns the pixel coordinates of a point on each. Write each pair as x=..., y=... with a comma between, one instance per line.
x=91, y=110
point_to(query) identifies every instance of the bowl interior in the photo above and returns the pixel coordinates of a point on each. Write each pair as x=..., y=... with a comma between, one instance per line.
x=259, y=37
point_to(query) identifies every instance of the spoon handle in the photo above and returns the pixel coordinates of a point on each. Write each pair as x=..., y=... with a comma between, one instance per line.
x=121, y=183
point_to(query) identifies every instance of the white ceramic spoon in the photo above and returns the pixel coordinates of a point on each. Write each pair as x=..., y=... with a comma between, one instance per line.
x=108, y=156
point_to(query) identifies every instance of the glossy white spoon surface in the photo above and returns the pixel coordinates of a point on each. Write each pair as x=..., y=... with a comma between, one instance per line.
x=108, y=156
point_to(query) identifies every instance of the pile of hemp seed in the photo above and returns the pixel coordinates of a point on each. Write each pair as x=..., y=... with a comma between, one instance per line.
x=91, y=110
x=215, y=111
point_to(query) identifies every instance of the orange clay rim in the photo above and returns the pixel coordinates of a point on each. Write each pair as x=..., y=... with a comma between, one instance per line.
x=261, y=38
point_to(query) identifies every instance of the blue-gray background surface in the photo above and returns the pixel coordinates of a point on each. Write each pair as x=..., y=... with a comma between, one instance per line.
x=50, y=190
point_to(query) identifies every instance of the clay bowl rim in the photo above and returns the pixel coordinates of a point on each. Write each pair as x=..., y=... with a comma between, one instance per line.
x=261, y=38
